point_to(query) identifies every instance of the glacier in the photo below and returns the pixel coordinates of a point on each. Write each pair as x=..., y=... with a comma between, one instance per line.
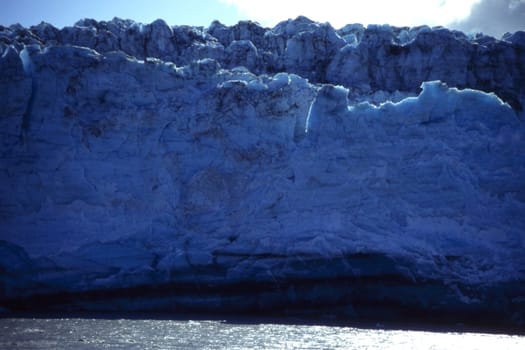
x=361, y=173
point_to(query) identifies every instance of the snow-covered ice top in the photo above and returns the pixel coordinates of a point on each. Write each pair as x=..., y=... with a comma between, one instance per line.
x=367, y=59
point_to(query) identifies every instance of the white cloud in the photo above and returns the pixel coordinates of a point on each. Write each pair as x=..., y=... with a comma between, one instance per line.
x=494, y=17
x=341, y=12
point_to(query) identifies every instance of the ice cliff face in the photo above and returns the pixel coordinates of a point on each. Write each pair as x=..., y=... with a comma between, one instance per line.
x=246, y=168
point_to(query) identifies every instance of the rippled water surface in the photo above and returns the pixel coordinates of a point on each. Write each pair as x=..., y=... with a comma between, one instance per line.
x=85, y=333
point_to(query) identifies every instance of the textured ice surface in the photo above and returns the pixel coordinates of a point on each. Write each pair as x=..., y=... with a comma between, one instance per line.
x=137, y=155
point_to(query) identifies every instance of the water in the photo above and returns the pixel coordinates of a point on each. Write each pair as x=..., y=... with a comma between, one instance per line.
x=85, y=333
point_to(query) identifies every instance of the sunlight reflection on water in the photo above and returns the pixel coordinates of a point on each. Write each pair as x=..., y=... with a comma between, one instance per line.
x=83, y=333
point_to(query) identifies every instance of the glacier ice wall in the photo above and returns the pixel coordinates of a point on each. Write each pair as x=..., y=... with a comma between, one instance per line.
x=381, y=159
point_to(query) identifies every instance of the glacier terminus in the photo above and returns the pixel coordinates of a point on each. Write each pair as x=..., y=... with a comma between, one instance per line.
x=362, y=173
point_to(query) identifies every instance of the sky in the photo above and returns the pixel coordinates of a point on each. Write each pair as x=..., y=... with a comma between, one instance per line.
x=493, y=17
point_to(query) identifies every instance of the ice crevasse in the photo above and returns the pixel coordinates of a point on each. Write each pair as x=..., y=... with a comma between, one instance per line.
x=363, y=172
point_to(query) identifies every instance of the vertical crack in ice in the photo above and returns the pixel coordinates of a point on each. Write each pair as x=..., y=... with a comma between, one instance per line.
x=27, y=65
x=308, y=117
